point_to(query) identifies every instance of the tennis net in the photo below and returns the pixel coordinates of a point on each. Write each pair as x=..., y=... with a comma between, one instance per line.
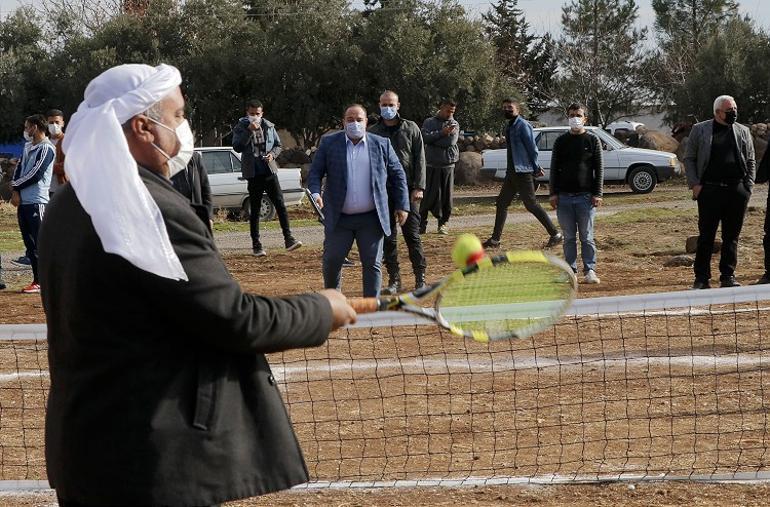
x=658, y=386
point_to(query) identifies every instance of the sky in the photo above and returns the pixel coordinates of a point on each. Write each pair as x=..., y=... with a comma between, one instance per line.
x=543, y=15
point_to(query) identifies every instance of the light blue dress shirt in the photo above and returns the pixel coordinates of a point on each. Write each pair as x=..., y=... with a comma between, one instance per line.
x=359, y=197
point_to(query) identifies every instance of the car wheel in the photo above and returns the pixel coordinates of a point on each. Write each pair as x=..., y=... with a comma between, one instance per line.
x=642, y=180
x=266, y=211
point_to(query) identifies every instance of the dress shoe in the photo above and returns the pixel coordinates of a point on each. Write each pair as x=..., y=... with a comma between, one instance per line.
x=701, y=285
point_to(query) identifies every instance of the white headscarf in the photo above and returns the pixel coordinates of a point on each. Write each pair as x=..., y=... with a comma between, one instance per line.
x=104, y=174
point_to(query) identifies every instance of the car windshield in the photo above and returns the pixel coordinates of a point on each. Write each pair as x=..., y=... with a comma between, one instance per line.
x=609, y=139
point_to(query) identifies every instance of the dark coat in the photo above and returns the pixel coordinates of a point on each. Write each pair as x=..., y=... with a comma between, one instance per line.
x=193, y=183
x=388, y=177
x=242, y=144
x=408, y=145
x=160, y=393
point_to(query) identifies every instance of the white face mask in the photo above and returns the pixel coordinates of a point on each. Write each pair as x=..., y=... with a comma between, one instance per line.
x=355, y=129
x=27, y=137
x=54, y=129
x=388, y=112
x=255, y=118
x=178, y=163
x=576, y=122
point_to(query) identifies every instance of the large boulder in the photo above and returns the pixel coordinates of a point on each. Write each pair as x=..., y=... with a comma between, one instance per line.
x=468, y=168
x=657, y=140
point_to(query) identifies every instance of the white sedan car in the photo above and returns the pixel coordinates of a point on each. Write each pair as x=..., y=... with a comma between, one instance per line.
x=641, y=169
x=229, y=190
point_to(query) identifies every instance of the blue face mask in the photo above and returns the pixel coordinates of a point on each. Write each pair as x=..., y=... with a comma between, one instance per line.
x=388, y=112
x=355, y=129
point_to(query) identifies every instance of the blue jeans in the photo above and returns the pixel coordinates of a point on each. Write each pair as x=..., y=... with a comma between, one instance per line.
x=576, y=217
x=366, y=230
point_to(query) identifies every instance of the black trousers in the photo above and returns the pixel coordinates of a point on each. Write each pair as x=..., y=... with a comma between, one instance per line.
x=411, y=232
x=439, y=187
x=524, y=183
x=725, y=205
x=30, y=217
x=258, y=186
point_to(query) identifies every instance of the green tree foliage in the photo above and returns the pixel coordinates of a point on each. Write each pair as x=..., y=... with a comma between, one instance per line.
x=21, y=89
x=683, y=28
x=305, y=59
x=602, y=59
x=526, y=60
x=733, y=61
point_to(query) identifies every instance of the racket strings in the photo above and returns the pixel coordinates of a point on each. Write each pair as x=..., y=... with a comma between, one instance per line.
x=509, y=299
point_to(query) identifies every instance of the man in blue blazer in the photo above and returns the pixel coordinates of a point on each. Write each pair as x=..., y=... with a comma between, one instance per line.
x=361, y=172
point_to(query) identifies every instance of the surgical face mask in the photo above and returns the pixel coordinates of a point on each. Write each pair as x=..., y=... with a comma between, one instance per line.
x=731, y=117
x=255, y=118
x=388, y=112
x=184, y=135
x=576, y=122
x=27, y=136
x=54, y=129
x=355, y=129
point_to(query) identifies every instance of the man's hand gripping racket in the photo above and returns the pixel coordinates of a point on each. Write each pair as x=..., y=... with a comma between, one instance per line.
x=513, y=295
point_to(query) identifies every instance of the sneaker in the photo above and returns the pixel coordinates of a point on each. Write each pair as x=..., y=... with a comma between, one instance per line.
x=764, y=280
x=394, y=286
x=347, y=263
x=443, y=229
x=590, y=277
x=491, y=243
x=728, y=281
x=699, y=284
x=292, y=245
x=554, y=240
x=259, y=252
x=33, y=288
x=23, y=261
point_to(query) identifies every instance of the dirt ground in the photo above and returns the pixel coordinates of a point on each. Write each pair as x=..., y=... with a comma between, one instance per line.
x=670, y=394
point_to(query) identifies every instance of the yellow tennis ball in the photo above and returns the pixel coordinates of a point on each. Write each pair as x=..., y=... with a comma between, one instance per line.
x=467, y=250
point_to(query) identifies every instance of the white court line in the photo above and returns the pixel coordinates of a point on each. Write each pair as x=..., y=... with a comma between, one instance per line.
x=727, y=362
x=724, y=363
x=9, y=377
x=22, y=488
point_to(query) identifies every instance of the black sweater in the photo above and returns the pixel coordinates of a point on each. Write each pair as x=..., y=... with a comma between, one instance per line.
x=576, y=164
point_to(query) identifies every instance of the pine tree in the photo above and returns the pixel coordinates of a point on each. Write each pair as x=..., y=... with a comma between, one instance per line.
x=602, y=60
x=524, y=58
x=683, y=28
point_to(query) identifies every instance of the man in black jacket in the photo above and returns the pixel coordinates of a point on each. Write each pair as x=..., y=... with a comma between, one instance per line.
x=406, y=138
x=577, y=178
x=160, y=394
x=257, y=140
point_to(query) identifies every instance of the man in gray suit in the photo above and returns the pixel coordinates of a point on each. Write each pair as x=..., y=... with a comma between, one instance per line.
x=720, y=168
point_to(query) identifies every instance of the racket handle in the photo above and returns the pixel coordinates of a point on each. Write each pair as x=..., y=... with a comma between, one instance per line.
x=364, y=305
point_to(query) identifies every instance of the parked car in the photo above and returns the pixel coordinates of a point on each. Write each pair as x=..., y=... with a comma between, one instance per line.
x=229, y=190
x=641, y=169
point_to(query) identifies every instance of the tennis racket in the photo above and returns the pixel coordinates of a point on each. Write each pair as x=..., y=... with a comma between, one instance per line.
x=319, y=213
x=513, y=295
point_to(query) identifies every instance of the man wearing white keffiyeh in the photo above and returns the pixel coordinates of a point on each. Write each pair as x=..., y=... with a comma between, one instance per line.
x=160, y=392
